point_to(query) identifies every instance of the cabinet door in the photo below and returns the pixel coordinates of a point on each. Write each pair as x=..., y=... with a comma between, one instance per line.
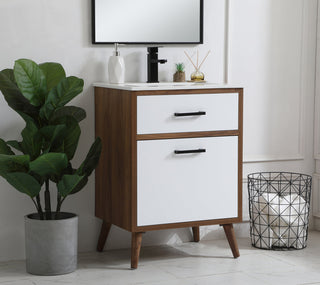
x=181, y=187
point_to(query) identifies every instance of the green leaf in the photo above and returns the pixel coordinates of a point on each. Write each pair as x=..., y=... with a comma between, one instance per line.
x=92, y=159
x=32, y=140
x=49, y=164
x=54, y=136
x=71, y=137
x=14, y=163
x=24, y=183
x=76, y=112
x=13, y=95
x=80, y=185
x=67, y=170
x=68, y=183
x=15, y=144
x=8, y=73
x=64, y=92
x=4, y=148
x=36, y=176
x=30, y=80
x=53, y=72
x=28, y=118
x=46, y=111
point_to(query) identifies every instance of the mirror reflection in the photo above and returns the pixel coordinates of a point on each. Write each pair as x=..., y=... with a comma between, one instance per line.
x=147, y=21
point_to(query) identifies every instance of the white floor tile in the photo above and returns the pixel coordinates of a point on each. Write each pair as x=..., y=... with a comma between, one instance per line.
x=207, y=262
x=237, y=278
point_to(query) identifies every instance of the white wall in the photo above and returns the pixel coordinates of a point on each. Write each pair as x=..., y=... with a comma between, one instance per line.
x=316, y=176
x=267, y=46
x=272, y=53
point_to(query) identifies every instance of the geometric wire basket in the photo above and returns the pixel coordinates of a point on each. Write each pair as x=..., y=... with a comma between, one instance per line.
x=279, y=205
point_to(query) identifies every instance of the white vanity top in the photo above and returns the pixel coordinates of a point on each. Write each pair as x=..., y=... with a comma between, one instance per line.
x=135, y=86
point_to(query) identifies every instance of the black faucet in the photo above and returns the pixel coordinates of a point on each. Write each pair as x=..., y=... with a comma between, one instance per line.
x=153, y=64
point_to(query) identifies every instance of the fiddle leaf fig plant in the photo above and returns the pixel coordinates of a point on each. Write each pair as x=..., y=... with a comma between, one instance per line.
x=39, y=94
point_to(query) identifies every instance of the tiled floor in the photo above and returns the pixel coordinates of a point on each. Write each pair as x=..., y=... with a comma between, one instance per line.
x=207, y=262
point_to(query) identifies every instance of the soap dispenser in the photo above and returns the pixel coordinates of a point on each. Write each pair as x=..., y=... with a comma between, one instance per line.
x=116, y=67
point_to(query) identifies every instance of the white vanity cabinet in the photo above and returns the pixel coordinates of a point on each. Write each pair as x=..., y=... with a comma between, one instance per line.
x=170, y=158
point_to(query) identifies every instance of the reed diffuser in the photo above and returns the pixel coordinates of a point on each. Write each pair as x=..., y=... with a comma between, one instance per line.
x=197, y=75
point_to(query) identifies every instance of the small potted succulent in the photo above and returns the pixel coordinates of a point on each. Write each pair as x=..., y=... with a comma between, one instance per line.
x=39, y=94
x=180, y=75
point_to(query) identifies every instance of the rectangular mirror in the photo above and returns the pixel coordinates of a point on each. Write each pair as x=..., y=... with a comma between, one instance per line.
x=147, y=21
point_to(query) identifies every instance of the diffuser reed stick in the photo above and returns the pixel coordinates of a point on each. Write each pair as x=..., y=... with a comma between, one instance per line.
x=190, y=60
x=197, y=57
x=197, y=67
x=204, y=59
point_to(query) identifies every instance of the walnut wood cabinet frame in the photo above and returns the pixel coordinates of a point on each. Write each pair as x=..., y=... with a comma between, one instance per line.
x=116, y=174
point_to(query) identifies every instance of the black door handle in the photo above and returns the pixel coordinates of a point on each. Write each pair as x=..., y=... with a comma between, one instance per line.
x=190, y=151
x=200, y=113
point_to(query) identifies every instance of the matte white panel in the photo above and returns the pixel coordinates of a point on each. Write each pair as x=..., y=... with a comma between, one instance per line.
x=187, y=187
x=156, y=113
x=266, y=49
x=317, y=98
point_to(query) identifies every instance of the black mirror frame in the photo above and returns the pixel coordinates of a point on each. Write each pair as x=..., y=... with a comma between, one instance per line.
x=93, y=31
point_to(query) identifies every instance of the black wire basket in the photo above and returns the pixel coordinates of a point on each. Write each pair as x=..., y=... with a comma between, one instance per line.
x=279, y=204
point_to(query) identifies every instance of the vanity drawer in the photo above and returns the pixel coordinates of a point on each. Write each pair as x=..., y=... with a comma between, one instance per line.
x=187, y=113
x=182, y=187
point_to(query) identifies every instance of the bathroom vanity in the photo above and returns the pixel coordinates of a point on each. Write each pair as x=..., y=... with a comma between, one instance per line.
x=171, y=158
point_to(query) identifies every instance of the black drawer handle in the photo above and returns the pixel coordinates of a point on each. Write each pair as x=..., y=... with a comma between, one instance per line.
x=200, y=113
x=190, y=151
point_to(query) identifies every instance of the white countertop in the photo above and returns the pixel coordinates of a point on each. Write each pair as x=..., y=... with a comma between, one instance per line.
x=136, y=86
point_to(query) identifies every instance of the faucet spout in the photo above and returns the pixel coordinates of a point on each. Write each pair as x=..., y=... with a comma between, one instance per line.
x=153, y=64
x=162, y=61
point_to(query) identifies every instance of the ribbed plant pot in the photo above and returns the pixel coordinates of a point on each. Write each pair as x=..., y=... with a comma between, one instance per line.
x=51, y=245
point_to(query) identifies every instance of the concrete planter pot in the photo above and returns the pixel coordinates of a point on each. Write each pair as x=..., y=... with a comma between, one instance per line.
x=51, y=245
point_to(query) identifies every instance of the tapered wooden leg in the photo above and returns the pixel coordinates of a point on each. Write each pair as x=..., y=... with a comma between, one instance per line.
x=228, y=229
x=105, y=228
x=196, y=234
x=135, y=249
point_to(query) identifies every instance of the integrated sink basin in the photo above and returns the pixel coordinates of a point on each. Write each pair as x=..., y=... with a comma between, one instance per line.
x=141, y=86
x=161, y=84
